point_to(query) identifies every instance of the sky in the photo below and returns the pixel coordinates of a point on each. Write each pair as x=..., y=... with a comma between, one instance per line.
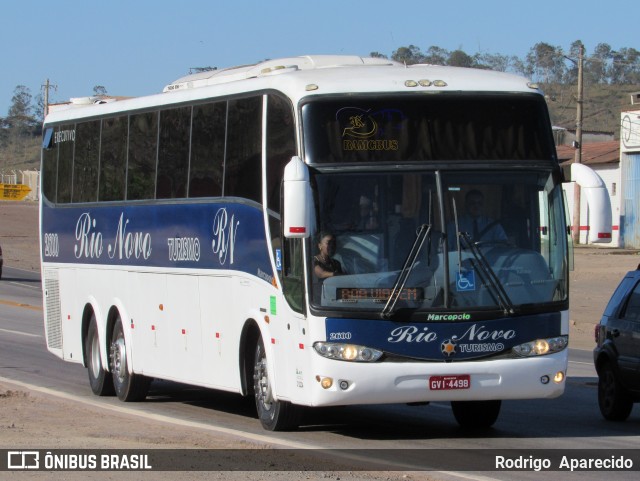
x=136, y=47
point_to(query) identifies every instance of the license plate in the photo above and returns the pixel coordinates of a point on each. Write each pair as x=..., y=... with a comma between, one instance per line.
x=441, y=383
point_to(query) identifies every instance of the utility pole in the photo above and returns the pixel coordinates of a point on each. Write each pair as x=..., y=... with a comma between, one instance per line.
x=47, y=86
x=578, y=154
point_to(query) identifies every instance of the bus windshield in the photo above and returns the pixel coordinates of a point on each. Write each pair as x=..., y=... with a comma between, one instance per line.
x=438, y=240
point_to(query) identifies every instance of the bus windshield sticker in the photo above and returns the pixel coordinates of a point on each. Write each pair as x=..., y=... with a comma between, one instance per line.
x=465, y=281
x=369, y=130
x=279, y=259
x=379, y=293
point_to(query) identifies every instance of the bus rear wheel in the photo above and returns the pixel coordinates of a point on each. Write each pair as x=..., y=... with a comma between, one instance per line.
x=100, y=379
x=274, y=415
x=129, y=387
x=476, y=414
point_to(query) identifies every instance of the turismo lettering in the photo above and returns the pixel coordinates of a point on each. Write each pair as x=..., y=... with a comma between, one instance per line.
x=184, y=248
x=489, y=347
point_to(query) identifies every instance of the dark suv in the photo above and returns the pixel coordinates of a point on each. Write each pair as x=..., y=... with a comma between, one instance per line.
x=617, y=352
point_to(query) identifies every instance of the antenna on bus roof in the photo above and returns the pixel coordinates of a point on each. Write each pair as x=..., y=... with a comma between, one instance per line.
x=193, y=70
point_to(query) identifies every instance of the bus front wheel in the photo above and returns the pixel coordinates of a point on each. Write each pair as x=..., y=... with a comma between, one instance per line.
x=274, y=415
x=129, y=387
x=99, y=378
x=476, y=414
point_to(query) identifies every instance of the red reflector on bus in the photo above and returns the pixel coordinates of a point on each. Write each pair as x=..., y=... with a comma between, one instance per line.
x=604, y=235
x=297, y=230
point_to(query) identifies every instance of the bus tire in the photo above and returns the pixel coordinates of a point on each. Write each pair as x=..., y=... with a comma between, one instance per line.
x=614, y=401
x=128, y=387
x=476, y=414
x=274, y=415
x=100, y=379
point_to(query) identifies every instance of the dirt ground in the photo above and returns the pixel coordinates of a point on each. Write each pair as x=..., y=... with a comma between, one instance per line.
x=37, y=420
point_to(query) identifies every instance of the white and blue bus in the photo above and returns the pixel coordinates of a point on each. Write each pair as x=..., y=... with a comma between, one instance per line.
x=180, y=233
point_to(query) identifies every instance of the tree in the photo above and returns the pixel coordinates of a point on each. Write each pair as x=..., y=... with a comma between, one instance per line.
x=20, y=118
x=408, y=55
x=497, y=62
x=377, y=55
x=99, y=90
x=546, y=63
x=625, y=66
x=436, y=56
x=458, y=58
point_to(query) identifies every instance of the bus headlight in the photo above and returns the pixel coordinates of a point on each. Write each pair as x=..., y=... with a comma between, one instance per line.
x=347, y=352
x=540, y=347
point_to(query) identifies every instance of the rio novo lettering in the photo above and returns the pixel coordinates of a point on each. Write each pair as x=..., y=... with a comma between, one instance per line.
x=126, y=245
x=412, y=334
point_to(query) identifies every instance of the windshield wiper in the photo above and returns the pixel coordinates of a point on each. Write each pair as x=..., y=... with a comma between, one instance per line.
x=487, y=275
x=423, y=233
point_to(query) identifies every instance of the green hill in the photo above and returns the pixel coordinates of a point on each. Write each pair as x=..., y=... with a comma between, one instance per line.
x=601, y=106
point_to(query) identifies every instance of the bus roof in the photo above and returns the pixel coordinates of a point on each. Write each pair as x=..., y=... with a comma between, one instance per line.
x=304, y=76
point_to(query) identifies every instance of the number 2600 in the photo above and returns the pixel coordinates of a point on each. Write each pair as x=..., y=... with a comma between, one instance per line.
x=51, y=245
x=339, y=336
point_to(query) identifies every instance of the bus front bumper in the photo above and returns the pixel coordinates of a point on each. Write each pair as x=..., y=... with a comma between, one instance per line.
x=337, y=383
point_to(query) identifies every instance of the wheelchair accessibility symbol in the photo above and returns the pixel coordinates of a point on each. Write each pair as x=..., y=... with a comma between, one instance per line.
x=466, y=281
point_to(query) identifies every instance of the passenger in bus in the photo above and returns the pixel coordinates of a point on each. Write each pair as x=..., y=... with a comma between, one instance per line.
x=324, y=265
x=479, y=227
x=367, y=219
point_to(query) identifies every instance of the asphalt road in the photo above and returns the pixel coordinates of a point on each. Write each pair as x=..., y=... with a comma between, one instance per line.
x=396, y=433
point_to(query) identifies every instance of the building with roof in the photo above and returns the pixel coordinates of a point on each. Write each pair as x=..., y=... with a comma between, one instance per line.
x=630, y=175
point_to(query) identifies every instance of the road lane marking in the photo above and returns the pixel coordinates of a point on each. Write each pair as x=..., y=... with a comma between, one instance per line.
x=26, y=286
x=20, y=304
x=580, y=362
x=20, y=333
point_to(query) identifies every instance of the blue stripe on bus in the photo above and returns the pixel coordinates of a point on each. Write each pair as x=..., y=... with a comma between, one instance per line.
x=453, y=340
x=228, y=236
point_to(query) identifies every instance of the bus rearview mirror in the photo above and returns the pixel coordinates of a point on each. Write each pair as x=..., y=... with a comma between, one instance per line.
x=299, y=213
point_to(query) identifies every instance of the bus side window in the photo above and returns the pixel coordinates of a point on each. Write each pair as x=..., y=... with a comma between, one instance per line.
x=141, y=169
x=243, y=162
x=207, y=149
x=85, y=162
x=293, y=279
x=281, y=146
x=65, y=164
x=113, y=159
x=49, y=165
x=173, y=153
